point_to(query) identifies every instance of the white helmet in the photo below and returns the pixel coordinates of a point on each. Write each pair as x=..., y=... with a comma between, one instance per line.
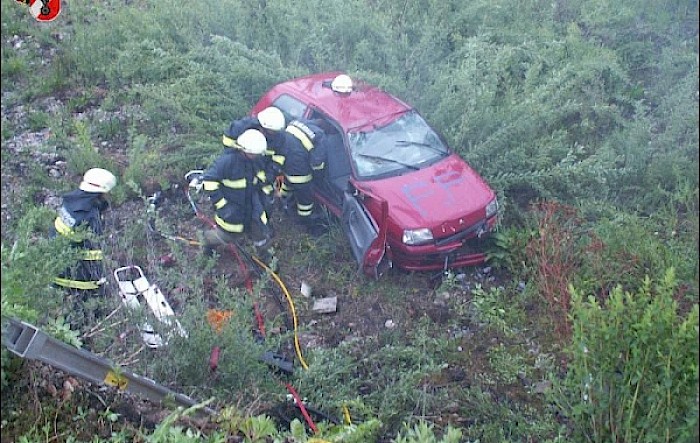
x=342, y=84
x=252, y=141
x=271, y=118
x=98, y=180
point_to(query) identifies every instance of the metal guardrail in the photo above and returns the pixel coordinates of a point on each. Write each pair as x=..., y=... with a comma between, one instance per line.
x=27, y=341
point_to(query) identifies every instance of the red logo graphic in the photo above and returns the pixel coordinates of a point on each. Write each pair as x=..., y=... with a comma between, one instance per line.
x=43, y=10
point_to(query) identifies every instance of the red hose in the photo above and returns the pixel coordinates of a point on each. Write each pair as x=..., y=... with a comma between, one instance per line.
x=304, y=412
x=241, y=265
x=260, y=319
x=214, y=358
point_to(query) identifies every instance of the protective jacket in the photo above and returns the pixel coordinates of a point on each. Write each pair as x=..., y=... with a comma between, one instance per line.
x=79, y=215
x=272, y=162
x=310, y=135
x=234, y=183
x=238, y=127
x=296, y=147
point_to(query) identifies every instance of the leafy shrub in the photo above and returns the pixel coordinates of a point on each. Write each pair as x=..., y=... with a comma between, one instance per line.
x=633, y=374
x=394, y=386
x=28, y=269
x=625, y=247
x=13, y=66
x=424, y=433
x=29, y=266
x=509, y=251
x=494, y=309
x=240, y=370
x=82, y=154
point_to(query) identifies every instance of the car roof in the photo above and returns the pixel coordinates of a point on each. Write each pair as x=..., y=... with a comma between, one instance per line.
x=366, y=107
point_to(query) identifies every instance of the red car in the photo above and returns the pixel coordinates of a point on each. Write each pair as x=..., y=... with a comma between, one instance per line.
x=404, y=198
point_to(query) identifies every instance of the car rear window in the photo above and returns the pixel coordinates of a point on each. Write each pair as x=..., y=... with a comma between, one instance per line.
x=291, y=107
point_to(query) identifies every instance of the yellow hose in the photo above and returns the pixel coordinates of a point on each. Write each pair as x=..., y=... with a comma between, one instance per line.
x=346, y=415
x=281, y=284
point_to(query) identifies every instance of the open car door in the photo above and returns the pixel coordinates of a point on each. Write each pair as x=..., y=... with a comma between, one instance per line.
x=367, y=237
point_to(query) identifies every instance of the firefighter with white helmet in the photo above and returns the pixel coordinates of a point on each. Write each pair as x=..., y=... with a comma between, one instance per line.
x=270, y=121
x=271, y=118
x=234, y=185
x=80, y=221
x=342, y=84
x=98, y=180
x=304, y=158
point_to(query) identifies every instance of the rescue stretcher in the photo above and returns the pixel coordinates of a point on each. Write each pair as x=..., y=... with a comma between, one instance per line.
x=134, y=289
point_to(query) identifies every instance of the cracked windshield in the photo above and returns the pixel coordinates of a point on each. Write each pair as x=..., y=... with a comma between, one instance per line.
x=408, y=143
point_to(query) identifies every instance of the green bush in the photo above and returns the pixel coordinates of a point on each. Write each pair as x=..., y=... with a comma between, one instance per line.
x=590, y=103
x=425, y=433
x=633, y=373
x=395, y=384
x=29, y=266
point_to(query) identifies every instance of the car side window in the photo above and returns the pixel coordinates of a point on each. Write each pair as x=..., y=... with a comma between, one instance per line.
x=291, y=107
x=338, y=168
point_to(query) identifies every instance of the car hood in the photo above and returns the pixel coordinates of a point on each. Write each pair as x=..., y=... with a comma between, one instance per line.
x=444, y=197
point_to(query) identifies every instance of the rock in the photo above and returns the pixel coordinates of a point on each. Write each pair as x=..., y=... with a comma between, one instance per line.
x=389, y=324
x=541, y=387
x=52, y=201
x=16, y=42
x=167, y=260
x=325, y=305
x=305, y=289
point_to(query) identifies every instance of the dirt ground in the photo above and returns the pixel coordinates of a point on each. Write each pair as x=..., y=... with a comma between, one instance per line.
x=365, y=309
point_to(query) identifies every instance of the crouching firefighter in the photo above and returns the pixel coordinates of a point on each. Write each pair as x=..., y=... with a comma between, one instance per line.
x=270, y=121
x=234, y=185
x=80, y=221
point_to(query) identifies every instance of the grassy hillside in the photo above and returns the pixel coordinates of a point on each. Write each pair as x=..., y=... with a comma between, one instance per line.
x=583, y=116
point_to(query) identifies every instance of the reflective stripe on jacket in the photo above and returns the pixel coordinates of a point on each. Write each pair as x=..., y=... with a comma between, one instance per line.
x=231, y=182
x=80, y=213
x=76, y=284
